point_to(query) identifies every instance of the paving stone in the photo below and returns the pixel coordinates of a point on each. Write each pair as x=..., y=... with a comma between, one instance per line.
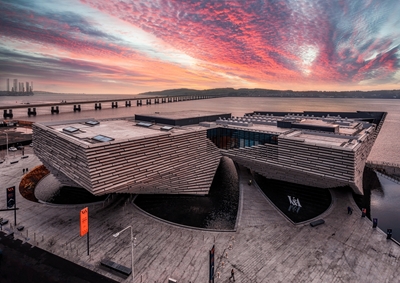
x=266, y=247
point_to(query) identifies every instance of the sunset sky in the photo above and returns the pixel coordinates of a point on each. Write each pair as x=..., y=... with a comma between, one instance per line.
x=134, y=46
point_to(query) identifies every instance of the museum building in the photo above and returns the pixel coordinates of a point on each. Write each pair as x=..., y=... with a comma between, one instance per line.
x=179, y=152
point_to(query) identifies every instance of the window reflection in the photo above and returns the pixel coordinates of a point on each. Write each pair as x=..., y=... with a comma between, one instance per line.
x=232, y=138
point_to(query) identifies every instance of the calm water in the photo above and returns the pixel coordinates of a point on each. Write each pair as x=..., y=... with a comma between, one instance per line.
x=385, y=205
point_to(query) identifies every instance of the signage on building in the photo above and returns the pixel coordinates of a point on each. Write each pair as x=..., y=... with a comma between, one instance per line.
x=294, y=204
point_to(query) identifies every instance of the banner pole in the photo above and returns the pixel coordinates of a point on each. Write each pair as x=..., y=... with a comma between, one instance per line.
x=15, y=211
x=88, y=243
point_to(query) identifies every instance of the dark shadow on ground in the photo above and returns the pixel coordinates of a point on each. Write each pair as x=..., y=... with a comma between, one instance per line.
x=21, y=263
x=73, y=195
x=218, y=210
x=299, y=203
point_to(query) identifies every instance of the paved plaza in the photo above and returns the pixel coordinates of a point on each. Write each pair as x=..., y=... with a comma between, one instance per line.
x=266, y=247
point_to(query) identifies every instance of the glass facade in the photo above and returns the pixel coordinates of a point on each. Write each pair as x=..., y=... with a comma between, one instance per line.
x=225, y=138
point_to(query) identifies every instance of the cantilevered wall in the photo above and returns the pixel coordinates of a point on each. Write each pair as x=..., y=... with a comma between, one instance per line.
x=166, y=163
x=296, y=161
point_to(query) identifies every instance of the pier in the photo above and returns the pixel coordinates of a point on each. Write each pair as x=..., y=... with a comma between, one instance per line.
x=54, y=108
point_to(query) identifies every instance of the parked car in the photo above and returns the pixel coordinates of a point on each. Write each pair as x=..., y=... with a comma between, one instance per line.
x=12, y=149
x=20, y=147
x=31, y=145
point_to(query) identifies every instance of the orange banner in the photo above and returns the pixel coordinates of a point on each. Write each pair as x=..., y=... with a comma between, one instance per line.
x=84, y=217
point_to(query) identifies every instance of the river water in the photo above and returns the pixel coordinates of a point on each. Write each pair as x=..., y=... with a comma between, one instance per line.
x=385, y=204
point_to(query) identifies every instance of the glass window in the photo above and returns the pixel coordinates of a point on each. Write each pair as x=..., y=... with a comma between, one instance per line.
x=92, y=122
x=231, y=138
x=102, y=138
x=70, y=130
x=144, y=124
x=166, y=128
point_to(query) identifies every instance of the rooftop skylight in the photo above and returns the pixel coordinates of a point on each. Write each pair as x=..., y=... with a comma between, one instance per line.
x=70, y=130
x=92, y=122
x=144, y=124
x=166, y=128
x=102, y=138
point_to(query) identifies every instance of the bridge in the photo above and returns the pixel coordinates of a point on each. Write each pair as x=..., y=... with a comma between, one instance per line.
x=54, y=108
x=386, y=169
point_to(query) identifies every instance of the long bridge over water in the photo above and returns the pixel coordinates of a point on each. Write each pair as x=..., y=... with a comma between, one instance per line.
x=386, y=169
x=54, y=108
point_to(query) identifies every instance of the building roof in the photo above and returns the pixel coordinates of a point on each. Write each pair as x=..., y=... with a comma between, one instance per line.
x=93, y=132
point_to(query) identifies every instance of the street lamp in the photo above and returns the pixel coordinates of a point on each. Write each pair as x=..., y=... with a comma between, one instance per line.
x=132, y=244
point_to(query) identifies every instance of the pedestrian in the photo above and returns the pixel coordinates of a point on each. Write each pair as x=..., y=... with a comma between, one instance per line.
x=232, y=275
x=349, y=210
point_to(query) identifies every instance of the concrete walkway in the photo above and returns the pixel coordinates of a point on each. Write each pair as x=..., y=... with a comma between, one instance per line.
x=266, y=247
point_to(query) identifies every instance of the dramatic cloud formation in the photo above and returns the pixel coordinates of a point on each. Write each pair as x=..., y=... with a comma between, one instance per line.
x=131, y=46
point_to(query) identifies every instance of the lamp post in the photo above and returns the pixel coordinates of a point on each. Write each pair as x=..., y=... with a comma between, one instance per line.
x=132, y=244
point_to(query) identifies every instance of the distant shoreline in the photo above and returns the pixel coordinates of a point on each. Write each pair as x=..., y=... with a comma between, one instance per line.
x=231, y=92
x=19, y=93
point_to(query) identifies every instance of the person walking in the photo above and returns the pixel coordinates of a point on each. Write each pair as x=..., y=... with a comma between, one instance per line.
x=349, y=210
x=232, y=275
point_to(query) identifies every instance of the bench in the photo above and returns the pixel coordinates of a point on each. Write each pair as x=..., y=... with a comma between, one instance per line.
x=13, y=162
x=3, y=222
x=20, y=228
x=115, y=266
x=25, y=156
x=317, y=222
